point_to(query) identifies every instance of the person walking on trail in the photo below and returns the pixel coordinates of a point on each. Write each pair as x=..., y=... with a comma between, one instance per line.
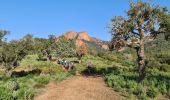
x=89, y=67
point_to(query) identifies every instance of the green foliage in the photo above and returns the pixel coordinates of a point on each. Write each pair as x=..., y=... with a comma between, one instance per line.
x=43, y=79
x=61, y=76
x=25, y=93
x=156, y=82
x=162, y=86
x=12, y=85
x=14, y=51
x=128, y=63
x=46, y=67
x=130, y=84
x=65, y=48
x=116, y=81
x=144, y=21
x=29, y=60
x=140, y=92
x=2, y=34
x=165, y=67
x=5, y=93
x=153, y=64
x=152, y=92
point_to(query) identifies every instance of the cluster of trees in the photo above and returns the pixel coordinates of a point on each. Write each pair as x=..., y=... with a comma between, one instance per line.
x=65, y=48
x=143, y=22
x=12, y=52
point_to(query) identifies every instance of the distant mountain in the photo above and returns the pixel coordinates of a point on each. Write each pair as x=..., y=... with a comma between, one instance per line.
x=84, y=38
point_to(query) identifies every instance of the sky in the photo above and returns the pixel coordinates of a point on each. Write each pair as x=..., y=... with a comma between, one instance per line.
x=44, y=17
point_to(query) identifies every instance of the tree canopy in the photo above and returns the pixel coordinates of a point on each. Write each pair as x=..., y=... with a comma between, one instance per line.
x=143, y=22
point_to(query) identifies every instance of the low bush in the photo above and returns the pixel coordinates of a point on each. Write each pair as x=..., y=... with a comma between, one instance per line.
x=12, y=85
x=37, y=86
x=116, y=82
x=153, y=64
x=152, y=92
x=130, y=84
x=162, y=87
x=42, y=79
x=127, y=63
x=165, y=67
x=5, y=93
x=25, y=94
x=60, y=76
x=155, y=82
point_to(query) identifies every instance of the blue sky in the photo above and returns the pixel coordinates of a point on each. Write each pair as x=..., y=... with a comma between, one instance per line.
x=44, y=17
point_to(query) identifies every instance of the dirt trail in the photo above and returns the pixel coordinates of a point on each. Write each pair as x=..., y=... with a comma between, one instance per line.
x=78, y=88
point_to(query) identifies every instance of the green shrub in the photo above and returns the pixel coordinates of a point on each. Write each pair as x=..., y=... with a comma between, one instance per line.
x=162, y=87
x=46, y=67
x=165, y=67
x=61, y=76
x=152, y=92
x=29, y=60
x=153, y=64
x=130, y=76
x=25, y=94
x=37, y=86
x=139, y=90
x=110, y=83
x=117, y=70
x=117, y=87
x=130, y=84
x=127, y=63
x=5, y=93
x=142, y=96
x=12, y=85
x=117, y=82
x=42, y=79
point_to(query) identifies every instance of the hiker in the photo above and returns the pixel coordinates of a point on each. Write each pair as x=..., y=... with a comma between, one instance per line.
x=59, y=61
x=71, y=66
x=66, y=65
x=89, y=67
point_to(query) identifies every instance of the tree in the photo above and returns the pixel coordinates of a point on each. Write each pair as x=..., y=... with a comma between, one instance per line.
x=143, y=22
x=29, y=44
x=45, y=47
x=2, y=34
x=65, y=48
x=14, y=51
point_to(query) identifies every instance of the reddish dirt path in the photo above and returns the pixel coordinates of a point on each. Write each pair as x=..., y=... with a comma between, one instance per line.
x=78, y=88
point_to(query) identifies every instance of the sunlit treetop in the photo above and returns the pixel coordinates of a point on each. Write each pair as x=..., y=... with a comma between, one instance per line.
x=143, y=20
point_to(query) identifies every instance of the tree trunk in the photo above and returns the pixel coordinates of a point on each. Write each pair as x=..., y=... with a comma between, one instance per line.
x=141, y=57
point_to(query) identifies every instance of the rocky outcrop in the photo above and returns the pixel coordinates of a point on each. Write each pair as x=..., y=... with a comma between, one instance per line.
x=77, y=35
x=79, y=43
x=70, y=35
x=83, y=36
x=80, y=37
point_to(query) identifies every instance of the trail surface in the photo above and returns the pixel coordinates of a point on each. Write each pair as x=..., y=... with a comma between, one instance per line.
x=78, y=88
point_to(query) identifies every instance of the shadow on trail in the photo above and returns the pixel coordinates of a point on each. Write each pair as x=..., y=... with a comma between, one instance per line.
x=157, y=77
x=93, y=71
